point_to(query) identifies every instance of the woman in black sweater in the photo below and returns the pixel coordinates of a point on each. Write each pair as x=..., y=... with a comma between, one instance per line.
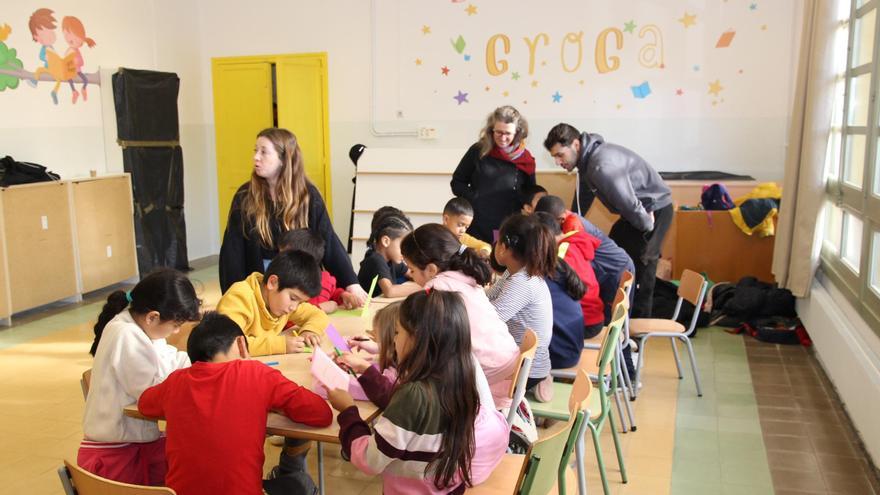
x=493, y=172
x=278, y=198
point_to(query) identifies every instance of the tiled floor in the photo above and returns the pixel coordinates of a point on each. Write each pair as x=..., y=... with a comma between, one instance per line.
x=768, y=420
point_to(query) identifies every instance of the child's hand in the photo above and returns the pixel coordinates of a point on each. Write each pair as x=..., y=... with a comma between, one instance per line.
x=311, y=338
x=353, y=362
x=340, y=399
x=295, y=344
x=351, y=301
x=363, y=342
x=328, y=306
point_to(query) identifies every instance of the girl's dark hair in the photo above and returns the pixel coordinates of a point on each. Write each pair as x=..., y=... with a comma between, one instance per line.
x=167, y=291
x=548, y=219
x=569, y=280
x=440, y=358
x=531, y=243
x=434, y=243
x=388, y=221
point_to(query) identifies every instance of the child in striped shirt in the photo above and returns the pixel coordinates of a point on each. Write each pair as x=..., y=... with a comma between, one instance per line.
x=425, y=440
x=521, y=296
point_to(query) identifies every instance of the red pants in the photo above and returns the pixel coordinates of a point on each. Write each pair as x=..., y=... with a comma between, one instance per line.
x=133, y=463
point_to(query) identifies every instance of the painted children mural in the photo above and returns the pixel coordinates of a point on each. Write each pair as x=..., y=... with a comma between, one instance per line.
x=51, y=66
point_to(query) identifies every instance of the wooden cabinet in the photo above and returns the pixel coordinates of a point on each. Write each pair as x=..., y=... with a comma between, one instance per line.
x=60, y=239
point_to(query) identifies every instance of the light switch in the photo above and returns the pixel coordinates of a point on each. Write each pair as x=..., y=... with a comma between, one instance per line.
x=44, y=221
x=109, y=251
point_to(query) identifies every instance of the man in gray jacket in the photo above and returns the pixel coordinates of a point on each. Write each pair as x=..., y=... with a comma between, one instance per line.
x=627, y=186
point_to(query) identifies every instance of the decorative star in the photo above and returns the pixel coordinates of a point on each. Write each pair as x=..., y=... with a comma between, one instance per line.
x=714, y=103
x=715, y=87
x=525, y=102
x=629, y=27
x=753, y=6
x=418, y=61
x=506, y=93
x=534, y=84
x=514, y=75
x=543, y=63
x=679, y=92
x=426, y=29
x=467, y=58
x=581, y=82
x=488, y=88
x=696, y=68
x=471, y=9
x=763, y=27
x=619, y=106
x=556, y=97
x=461, y=97
x=444, y=70
x=688, y=20
x=740, y=71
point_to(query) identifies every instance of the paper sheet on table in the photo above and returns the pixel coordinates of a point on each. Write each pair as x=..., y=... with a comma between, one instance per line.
x=336, y=339
x=327, y=372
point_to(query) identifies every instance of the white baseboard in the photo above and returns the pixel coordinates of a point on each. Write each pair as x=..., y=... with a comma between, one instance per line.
x=850, y=354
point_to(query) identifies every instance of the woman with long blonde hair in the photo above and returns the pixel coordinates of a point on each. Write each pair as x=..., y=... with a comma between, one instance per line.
x=278, y=198
x=494, y=171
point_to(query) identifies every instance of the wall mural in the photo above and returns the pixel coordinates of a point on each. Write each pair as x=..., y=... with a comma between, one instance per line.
x=58, y=66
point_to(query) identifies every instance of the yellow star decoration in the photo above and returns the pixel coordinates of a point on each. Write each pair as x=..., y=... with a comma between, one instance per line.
x=534, y=84
x=506, y=93
x=418, y=61
x=763, y=27
x=688, y=20
x=715, y=87
x=619, y=106
x=581, y=82
x=471, y=9
x=488, y=88
x=543, y=63
x=426, y=29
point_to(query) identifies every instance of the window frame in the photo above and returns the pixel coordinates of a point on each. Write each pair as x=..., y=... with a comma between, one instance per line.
x=863, y=202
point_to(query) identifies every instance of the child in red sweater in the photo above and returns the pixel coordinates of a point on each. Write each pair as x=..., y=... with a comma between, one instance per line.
x=331, y=296
x=216, y=412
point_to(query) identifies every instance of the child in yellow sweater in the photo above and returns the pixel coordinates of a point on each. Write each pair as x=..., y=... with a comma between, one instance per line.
x=262, y=305
x=457, y=217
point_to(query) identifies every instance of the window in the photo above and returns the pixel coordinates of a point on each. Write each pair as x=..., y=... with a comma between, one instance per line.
x=851, y=240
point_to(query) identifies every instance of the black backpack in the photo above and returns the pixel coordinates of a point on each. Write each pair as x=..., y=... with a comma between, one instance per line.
x=13, y=173
x=776, y=330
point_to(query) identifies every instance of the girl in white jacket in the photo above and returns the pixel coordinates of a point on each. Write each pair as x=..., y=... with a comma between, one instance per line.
x=130, y=355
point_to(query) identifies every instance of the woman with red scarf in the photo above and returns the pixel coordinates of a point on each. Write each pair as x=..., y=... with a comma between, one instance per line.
x=494, y=171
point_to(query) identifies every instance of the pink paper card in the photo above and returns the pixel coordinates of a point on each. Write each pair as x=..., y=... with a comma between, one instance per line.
x=327, y=372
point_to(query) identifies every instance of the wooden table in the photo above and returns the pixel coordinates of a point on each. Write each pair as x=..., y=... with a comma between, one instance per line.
x=296, y=368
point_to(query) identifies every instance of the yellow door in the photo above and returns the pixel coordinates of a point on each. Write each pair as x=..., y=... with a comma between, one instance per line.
x=242, y=108
x=301, y=82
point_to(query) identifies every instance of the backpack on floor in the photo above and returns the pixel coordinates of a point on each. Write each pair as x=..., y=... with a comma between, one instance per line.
x=777, y=330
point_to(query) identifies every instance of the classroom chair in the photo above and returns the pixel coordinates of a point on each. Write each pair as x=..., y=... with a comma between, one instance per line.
x=626, y=283
x=85, y=382
x=527, y=349
x=589, y=362
x=77, y=481
x=502, y=480
x=549, y=456
x=599, y=403
x=692, y=288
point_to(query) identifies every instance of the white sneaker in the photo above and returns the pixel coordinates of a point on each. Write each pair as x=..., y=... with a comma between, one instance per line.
x=276, y=440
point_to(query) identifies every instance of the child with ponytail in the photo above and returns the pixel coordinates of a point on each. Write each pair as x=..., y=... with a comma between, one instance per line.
x=438, y=260
x=131, y=354
x=383, y=259
x=521, y=296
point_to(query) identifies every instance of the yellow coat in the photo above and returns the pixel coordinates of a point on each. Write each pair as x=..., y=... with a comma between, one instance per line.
x=243, y=302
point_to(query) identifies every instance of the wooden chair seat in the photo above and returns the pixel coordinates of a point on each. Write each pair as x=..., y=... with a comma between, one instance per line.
x=642, y=326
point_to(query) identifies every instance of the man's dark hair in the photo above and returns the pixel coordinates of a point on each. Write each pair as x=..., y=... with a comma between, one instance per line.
x=302, y=240
x=458, y=206
x=296, y=270
x=562, y=134
x=216, y=333
x=552, y=205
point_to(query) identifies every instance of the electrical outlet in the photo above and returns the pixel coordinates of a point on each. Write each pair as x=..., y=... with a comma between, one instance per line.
x=427, y=133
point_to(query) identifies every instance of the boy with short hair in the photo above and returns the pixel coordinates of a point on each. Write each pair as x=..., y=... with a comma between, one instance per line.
x=530, y=195
x=216, y=412
x=262, y=305
x=331, y=296
x=457, y=217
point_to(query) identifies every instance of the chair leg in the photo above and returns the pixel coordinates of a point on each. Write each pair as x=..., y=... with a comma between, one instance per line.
x=627, y=380
x=623, y=424
x=618, y=449
x=579, y=456
x=599, y=459
x=629, y=410
x=677, y=359
x=693, y=359
x=643, y=349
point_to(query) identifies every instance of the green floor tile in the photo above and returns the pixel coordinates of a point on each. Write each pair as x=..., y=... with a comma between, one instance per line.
x=729, y=398
x=725, y=377
x=727, y=489
x=739, y=425
x=695, y=422
x=694, y=488
x=705, y=471
x=736, y=411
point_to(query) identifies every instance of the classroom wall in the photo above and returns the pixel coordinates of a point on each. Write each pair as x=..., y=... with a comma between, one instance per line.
x=741, y=128
x=72, y=139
